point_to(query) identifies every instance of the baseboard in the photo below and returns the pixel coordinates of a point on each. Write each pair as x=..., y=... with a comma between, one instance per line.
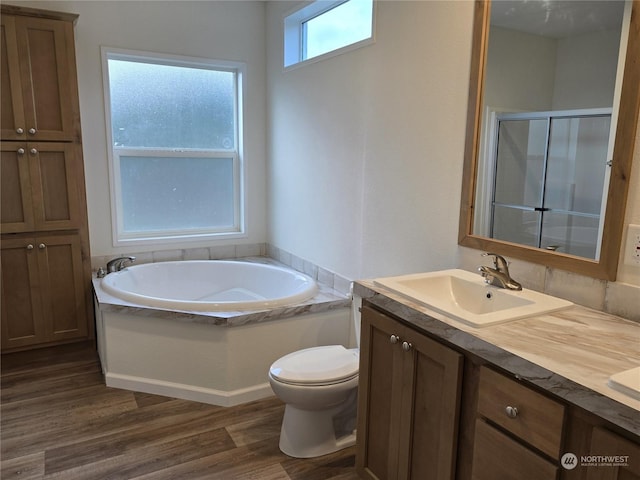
x=189, y=392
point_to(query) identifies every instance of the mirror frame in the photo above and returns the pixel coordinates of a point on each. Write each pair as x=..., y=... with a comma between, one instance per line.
x=607, y=265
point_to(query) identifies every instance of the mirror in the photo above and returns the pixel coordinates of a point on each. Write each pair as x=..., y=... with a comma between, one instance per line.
x=490, y=218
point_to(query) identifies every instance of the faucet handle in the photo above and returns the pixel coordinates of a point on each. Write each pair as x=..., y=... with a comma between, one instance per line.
x=498, y=261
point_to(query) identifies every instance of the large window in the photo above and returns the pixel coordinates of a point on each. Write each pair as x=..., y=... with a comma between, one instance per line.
x=175, y=146
x=326, y=26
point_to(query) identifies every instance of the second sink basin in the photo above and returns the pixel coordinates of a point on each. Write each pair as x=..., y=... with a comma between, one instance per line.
x=627, y=382
x=465, y=296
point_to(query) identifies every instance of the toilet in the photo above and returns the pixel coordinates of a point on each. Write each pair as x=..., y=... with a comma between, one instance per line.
x=319, y=386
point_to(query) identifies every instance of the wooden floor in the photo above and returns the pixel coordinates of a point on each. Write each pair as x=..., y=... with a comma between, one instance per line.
x=59, y=420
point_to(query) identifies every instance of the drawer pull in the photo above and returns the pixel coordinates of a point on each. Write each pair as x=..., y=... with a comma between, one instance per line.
x=512, y=412
x=406, y=346
x=394, y=339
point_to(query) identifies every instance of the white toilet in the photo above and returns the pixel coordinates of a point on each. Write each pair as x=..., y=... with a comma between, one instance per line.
x=320, y=388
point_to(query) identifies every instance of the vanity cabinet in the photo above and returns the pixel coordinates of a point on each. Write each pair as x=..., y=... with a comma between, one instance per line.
x=518, y=432
x=38, y=78
x=46, y=269
x=409, y=398
x=39, y=186
x=604, y=442
x=451, y=408
x=43, y=294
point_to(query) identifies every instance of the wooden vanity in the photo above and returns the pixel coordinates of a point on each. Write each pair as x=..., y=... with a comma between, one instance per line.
x=524, y=400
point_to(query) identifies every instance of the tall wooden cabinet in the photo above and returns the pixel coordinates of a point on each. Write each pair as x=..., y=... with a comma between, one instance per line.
x=45, y=259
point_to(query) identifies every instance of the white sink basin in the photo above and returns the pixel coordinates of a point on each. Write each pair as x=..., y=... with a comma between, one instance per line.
x=627, y=382
x=465, y=296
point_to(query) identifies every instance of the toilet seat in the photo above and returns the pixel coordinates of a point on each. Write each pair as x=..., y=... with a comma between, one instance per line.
x=317, y=366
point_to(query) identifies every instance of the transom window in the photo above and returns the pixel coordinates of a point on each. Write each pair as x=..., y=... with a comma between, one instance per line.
x=324, y=27
x=173, y=124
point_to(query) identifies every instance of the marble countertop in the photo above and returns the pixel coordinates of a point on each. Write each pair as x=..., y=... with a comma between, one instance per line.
x=570, y=353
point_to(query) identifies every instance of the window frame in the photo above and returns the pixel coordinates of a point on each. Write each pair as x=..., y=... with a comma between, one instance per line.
x=295, y=37
x=119, y=236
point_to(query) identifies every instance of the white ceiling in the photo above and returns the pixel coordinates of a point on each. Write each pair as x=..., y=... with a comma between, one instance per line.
x=557, y=18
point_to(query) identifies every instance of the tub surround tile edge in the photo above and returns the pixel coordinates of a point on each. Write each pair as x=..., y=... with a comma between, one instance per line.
x=322, y=275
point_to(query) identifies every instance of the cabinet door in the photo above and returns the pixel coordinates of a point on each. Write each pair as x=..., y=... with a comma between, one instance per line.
x=430, y=407
x=43, y=294
x=39, y=53
x=22, y=320
x=409, y=402
x=379, y=396
x=39, y=186
x=15, y=184
x=497, y=456
x=604, y=442
x=54, y=170
x=12, y=106
x=63, y=293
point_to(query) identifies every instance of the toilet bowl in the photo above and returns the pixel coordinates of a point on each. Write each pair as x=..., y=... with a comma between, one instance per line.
x=319, y=386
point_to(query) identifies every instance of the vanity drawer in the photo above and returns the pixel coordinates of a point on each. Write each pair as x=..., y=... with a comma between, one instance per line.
x=532, y=417
x=497, y=456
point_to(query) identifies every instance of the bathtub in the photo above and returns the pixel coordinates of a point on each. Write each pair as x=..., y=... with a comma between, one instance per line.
x=210, y=286
x=170, y=329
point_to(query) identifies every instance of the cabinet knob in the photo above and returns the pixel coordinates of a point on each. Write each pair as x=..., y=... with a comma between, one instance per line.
x=42, y=246
x=406, y=346
x=512, y=412
x=32, y=131
x=19, y=131
x=33, y=151
x=394, y=339
x=30, y=247
x=21, y=151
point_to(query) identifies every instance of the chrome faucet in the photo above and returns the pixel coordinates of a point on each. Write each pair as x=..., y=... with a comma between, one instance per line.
x=118, y=264
x=499, y=275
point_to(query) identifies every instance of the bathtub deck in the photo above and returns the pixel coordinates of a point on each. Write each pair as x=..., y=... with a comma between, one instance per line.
x=59, y=420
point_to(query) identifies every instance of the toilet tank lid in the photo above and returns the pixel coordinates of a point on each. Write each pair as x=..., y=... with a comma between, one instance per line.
x=325, y=364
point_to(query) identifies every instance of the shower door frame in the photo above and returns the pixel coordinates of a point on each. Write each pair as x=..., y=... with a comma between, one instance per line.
x=548, y=116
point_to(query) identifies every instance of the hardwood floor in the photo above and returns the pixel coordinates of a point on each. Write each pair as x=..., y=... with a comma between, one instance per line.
x=60, y=421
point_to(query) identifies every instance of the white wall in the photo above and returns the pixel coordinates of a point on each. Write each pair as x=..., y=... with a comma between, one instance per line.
x=530, y=72
x=227, y=30
x=366, y=148
x=520, y=71
x=582, y=83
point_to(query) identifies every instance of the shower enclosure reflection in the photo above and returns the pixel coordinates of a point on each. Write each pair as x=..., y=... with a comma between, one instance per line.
x=545, y=179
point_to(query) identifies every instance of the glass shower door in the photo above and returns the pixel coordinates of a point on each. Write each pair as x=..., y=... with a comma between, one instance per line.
x=575, y=184
x=519, y=181
x=549, y=180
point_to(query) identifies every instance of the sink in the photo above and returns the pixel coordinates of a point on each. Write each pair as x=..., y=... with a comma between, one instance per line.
x=466, y=297
x=627, y=382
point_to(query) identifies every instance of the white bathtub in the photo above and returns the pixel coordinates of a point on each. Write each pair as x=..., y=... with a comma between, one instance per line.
x=210, y=286
x=156, y=335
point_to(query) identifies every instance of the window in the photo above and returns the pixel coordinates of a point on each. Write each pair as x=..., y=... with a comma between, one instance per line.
x=325, y=27
x=173, y=125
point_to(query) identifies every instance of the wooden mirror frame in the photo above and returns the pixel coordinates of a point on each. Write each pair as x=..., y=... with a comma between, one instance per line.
x=607, y=265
